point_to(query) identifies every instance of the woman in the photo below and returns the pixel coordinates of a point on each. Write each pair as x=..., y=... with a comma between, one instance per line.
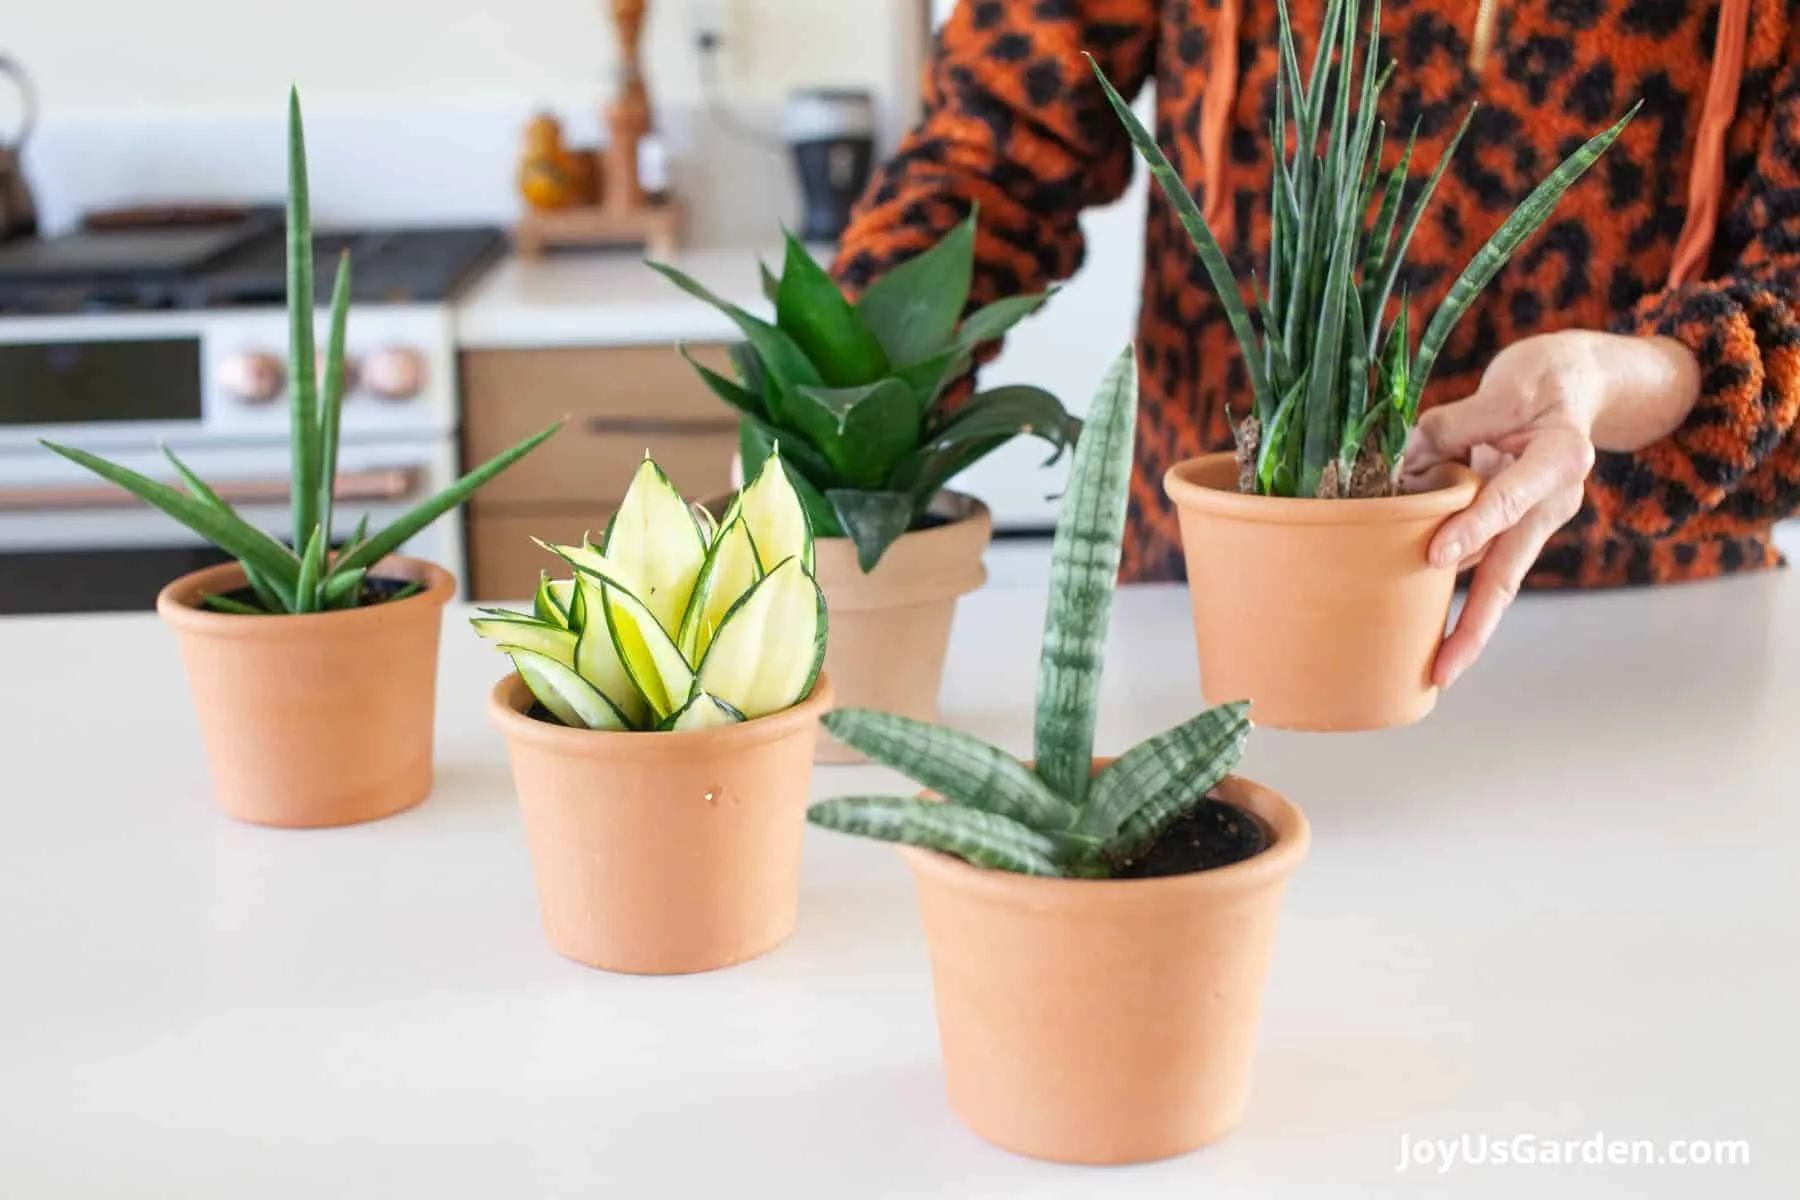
x=1630, y=384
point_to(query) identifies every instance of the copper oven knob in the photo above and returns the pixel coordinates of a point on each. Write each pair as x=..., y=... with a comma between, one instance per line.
x=253, y=377
x=394, y=373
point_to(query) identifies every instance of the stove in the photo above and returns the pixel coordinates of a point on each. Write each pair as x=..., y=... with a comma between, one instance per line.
x=125, y=340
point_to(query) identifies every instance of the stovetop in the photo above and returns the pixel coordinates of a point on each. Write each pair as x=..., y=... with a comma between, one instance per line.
x=236, y=265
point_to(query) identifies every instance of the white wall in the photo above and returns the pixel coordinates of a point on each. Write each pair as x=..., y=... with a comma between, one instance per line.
x=414, y=107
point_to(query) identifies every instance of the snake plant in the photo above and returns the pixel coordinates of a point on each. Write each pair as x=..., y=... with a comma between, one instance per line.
x=855, y=391
x=1055, y=817
x=315, y=574
x=676, y=621
x=1336, y=385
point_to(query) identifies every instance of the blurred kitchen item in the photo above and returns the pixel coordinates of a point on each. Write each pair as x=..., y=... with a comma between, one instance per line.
x=166, y=216
x=119, y=340
x=18, y=211
x=832, y=133
x=551, y=176
x=623, y=214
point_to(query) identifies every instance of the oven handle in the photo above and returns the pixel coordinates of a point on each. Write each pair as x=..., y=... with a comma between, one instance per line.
x=392, y=484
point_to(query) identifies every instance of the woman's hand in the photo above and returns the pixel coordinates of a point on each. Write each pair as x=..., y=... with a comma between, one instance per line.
x=1545, y=406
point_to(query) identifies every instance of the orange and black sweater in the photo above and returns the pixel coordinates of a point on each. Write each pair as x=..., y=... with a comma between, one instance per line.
x=1015, y=122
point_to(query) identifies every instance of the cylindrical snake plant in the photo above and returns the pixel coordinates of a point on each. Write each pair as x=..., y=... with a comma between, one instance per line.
x=855, y=392
x=1335, y=382
x=315, y=574
x=1056, y=817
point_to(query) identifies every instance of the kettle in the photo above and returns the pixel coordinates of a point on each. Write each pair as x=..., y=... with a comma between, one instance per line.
x=18, y=212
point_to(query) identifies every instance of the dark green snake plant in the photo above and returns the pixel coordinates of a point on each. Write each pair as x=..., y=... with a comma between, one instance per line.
x=1056, y=817
x=315, y=574
x=1337, y=386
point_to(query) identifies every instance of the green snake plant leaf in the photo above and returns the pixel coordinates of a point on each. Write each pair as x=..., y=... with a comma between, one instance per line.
x=518, y=630
x=1009, y=412
x=780, y=355
x=873, y=520
x=1525, y=221
x=747, y=402
x=303, y=376
x=312, y=568
x=1212, y=255
x=380, y=545
x=914, y=308
x=863, y=432
x=344, y=588
x=331, y=409
x=983, y=838
x=569, y=697
x=992, y=322
x=960, y=768
x=1157, y=781
x=1390, y=269
x=226, y=604
x=1358, y=389
x=833, y=335
x=1272, y=454
x=274, y=596
x=224, y=529
x=1084, y=570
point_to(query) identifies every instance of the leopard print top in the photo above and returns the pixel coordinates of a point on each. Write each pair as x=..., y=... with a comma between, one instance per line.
x=1014, y=121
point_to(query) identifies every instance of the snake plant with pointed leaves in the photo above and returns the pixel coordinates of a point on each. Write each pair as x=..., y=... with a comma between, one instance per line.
x=315, y=574
x=1056, y=817
x=676, y=621
x=1335, y=383
x=854, y=392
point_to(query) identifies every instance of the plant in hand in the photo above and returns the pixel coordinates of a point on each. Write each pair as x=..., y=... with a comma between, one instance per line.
x=676, y=621
x=313, y=575
x=1057, y=817
x=1336, y=383
x=855, y=392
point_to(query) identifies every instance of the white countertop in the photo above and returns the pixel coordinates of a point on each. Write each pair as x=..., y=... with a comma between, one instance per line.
x=1564, y=905
x=608, y=298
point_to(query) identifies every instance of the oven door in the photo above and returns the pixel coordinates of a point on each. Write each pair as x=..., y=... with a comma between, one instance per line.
x=71, y=542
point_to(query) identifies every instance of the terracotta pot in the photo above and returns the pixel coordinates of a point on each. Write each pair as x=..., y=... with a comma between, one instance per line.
x=1109, y=1021
x=1324, y=614
x=663, y=853
x=317, y=720
x=890, y=629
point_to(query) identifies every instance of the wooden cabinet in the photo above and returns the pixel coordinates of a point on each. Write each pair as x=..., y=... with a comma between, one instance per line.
x=619, y=402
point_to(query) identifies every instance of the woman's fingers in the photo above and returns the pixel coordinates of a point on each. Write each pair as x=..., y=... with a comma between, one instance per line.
x=1556, y=459
x=1449, y=432
x=1497, y=582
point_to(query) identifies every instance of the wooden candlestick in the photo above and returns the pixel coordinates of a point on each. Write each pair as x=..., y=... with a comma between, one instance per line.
x=624, y=215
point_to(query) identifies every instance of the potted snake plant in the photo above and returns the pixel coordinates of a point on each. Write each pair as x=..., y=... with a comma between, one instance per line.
x=661, y=720
x=858, y=396
x=1311, y=503
x=313, y=666
x=1099, y=929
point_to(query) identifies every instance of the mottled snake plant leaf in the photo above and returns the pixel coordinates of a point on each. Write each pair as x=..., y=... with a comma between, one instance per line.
x=958, y=767
x=984, y=838
x=1143, y=791
x=1084, y=569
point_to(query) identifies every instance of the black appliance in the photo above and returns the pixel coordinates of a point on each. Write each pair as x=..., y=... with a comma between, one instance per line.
x=832, y=135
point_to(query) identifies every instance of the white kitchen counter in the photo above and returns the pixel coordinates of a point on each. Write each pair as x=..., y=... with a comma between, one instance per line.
x=1564, y=905
x=607, y=298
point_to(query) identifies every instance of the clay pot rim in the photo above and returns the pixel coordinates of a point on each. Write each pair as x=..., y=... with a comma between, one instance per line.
x=1187, y=484
x=510, y=699
x=1288, y=826
x=179, y=602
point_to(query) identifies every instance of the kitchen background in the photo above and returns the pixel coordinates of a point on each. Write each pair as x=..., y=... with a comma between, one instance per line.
x=416, y=118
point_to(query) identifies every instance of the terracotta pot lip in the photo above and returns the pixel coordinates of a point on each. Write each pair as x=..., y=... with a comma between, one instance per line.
x=179, y=602
x=510, y=700
x=1189, y=484
x=1292, y=840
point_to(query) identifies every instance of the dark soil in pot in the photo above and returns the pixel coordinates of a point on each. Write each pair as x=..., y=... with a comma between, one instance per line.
x=374, y=591
x=1214, y=834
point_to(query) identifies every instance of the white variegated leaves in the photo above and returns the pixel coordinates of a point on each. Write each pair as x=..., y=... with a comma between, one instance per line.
x=676, y=620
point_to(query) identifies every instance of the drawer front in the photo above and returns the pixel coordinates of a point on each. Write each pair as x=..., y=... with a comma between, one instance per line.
x=619, y=401
x=504, y=563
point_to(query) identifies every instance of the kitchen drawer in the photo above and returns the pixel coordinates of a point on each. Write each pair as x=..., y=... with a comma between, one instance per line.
x=620, y=401
x=504, y=563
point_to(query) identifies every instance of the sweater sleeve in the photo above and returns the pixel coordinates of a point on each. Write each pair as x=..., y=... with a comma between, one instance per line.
x=1734, y=465
x=1014, y=122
